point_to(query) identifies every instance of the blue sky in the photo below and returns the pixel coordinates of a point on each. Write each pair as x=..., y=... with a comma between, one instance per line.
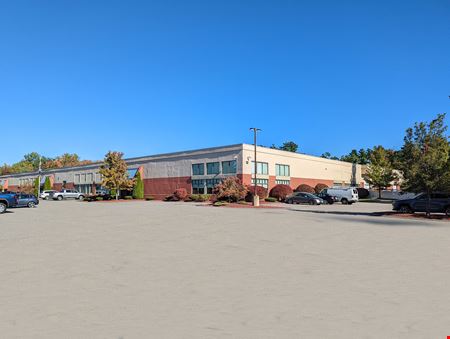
x=148, y=77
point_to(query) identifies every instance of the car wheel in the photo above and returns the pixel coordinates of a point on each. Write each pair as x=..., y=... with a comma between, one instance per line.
x=405, y=209
x=81, y=197
x=2, y=208
x=311, y=202
x=331, y=202
x=344, y=201
x=31, y=204
x=447, y=211
x=289, y=201
x=46, y=198
x=60, y=197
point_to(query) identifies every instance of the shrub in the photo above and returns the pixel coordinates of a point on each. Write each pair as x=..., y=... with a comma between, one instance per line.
x=98, y=198
x=362, y=193
x=128, y=197
x=270, y=199
x=47, y=184
x=260, y=191
x=280, y=192
x=199, y=197
x=138, y=189
x=320, y=187
x=220, y=203
x=230, y=189
x=180, y=194
x=305, y=188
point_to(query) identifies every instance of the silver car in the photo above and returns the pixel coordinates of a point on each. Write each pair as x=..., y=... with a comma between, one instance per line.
x=68, y=194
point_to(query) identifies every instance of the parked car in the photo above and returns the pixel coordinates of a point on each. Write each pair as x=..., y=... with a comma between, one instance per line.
x=330, y=199
x=7, y=200
x=304, y=198
x=27, y=200
x=47, y=194
x=439, y=203
x=68, y=194
x=102, y=192
x=344, y=195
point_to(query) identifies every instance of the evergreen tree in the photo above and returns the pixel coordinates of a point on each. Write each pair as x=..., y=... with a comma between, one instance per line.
x=36, y=187
x=47, y=184
x=138, y=189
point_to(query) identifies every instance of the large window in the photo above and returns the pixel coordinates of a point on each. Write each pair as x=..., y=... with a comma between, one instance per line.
x=229, y=167
x=283, y=182
x=198, y=186
x=261, y=182
x=213, y=168
x=210, y=184
x=261, y=168
x=198, y=169
x=282, y=170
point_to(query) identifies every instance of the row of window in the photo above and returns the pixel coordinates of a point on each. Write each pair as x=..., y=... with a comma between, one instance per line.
x=203, y=186
x=228, y=167
x=263, y=168
x=265, y=182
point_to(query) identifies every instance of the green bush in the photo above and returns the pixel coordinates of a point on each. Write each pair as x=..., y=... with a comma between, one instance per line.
x=138, y=189
x=128, y=197
x=99, y=198
x=199, y=197
x=270, y=199
x=36, y=187
x=47, y=184
x=220, y=203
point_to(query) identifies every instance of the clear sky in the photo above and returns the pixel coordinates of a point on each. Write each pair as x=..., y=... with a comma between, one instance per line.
x=148, y=77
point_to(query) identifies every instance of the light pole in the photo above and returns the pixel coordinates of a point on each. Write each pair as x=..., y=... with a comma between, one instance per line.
x=255, y=196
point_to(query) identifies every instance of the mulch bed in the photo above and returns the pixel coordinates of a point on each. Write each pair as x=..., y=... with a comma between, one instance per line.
x=418, y=216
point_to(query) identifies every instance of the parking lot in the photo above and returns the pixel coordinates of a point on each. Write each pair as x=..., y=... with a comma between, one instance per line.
x=183, y=270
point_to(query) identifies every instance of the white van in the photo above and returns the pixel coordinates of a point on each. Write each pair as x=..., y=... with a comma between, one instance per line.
x=344, y=195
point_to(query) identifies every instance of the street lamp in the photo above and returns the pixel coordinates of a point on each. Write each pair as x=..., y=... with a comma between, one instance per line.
x=255, y=196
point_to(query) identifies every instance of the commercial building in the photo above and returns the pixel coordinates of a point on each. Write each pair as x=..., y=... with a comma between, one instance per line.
x=198, y=171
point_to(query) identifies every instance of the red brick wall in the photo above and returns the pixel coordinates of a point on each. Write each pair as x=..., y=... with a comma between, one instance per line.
x=245, y=178
x=159, y=188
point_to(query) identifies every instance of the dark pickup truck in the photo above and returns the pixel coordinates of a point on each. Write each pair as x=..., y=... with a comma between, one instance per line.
x=7, y=200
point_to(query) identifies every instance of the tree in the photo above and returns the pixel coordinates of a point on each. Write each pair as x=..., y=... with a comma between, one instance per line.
x=230, y=189
x=379, y=173
x=289, y=146
x=47, y=184
x=36, y=187
x=425, y=158
x=138, y=189
x=114, y=173
x=361, y=157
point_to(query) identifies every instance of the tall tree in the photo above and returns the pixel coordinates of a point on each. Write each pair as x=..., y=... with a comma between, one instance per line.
x=380, y=174
x=47, y=184
x=138, y=189
x=425, y=158
x=36, y=187
x=114, y=173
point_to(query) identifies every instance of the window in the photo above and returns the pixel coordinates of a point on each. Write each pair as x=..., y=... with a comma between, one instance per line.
x=261, y=168
x=229, y=167
x=83, y=178
x=198, y=186
x=77, y=178
x=261, y=182
x=90, y=178
x=213, y=168
x=283, y=182
x=198, y=169
x=282, y=170
x=210, y=184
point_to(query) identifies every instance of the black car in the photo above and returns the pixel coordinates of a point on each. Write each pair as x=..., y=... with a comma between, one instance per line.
x=304, y=198
x=330, y=199
x=439, y=203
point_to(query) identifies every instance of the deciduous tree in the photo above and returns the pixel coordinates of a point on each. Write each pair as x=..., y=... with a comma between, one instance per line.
x=380, y=173
x=114, y=173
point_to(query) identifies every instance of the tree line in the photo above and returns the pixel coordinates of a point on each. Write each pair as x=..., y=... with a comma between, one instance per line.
x=30, y=163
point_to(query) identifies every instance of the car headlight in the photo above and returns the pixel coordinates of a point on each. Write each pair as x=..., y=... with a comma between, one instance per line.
x=318, y=201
